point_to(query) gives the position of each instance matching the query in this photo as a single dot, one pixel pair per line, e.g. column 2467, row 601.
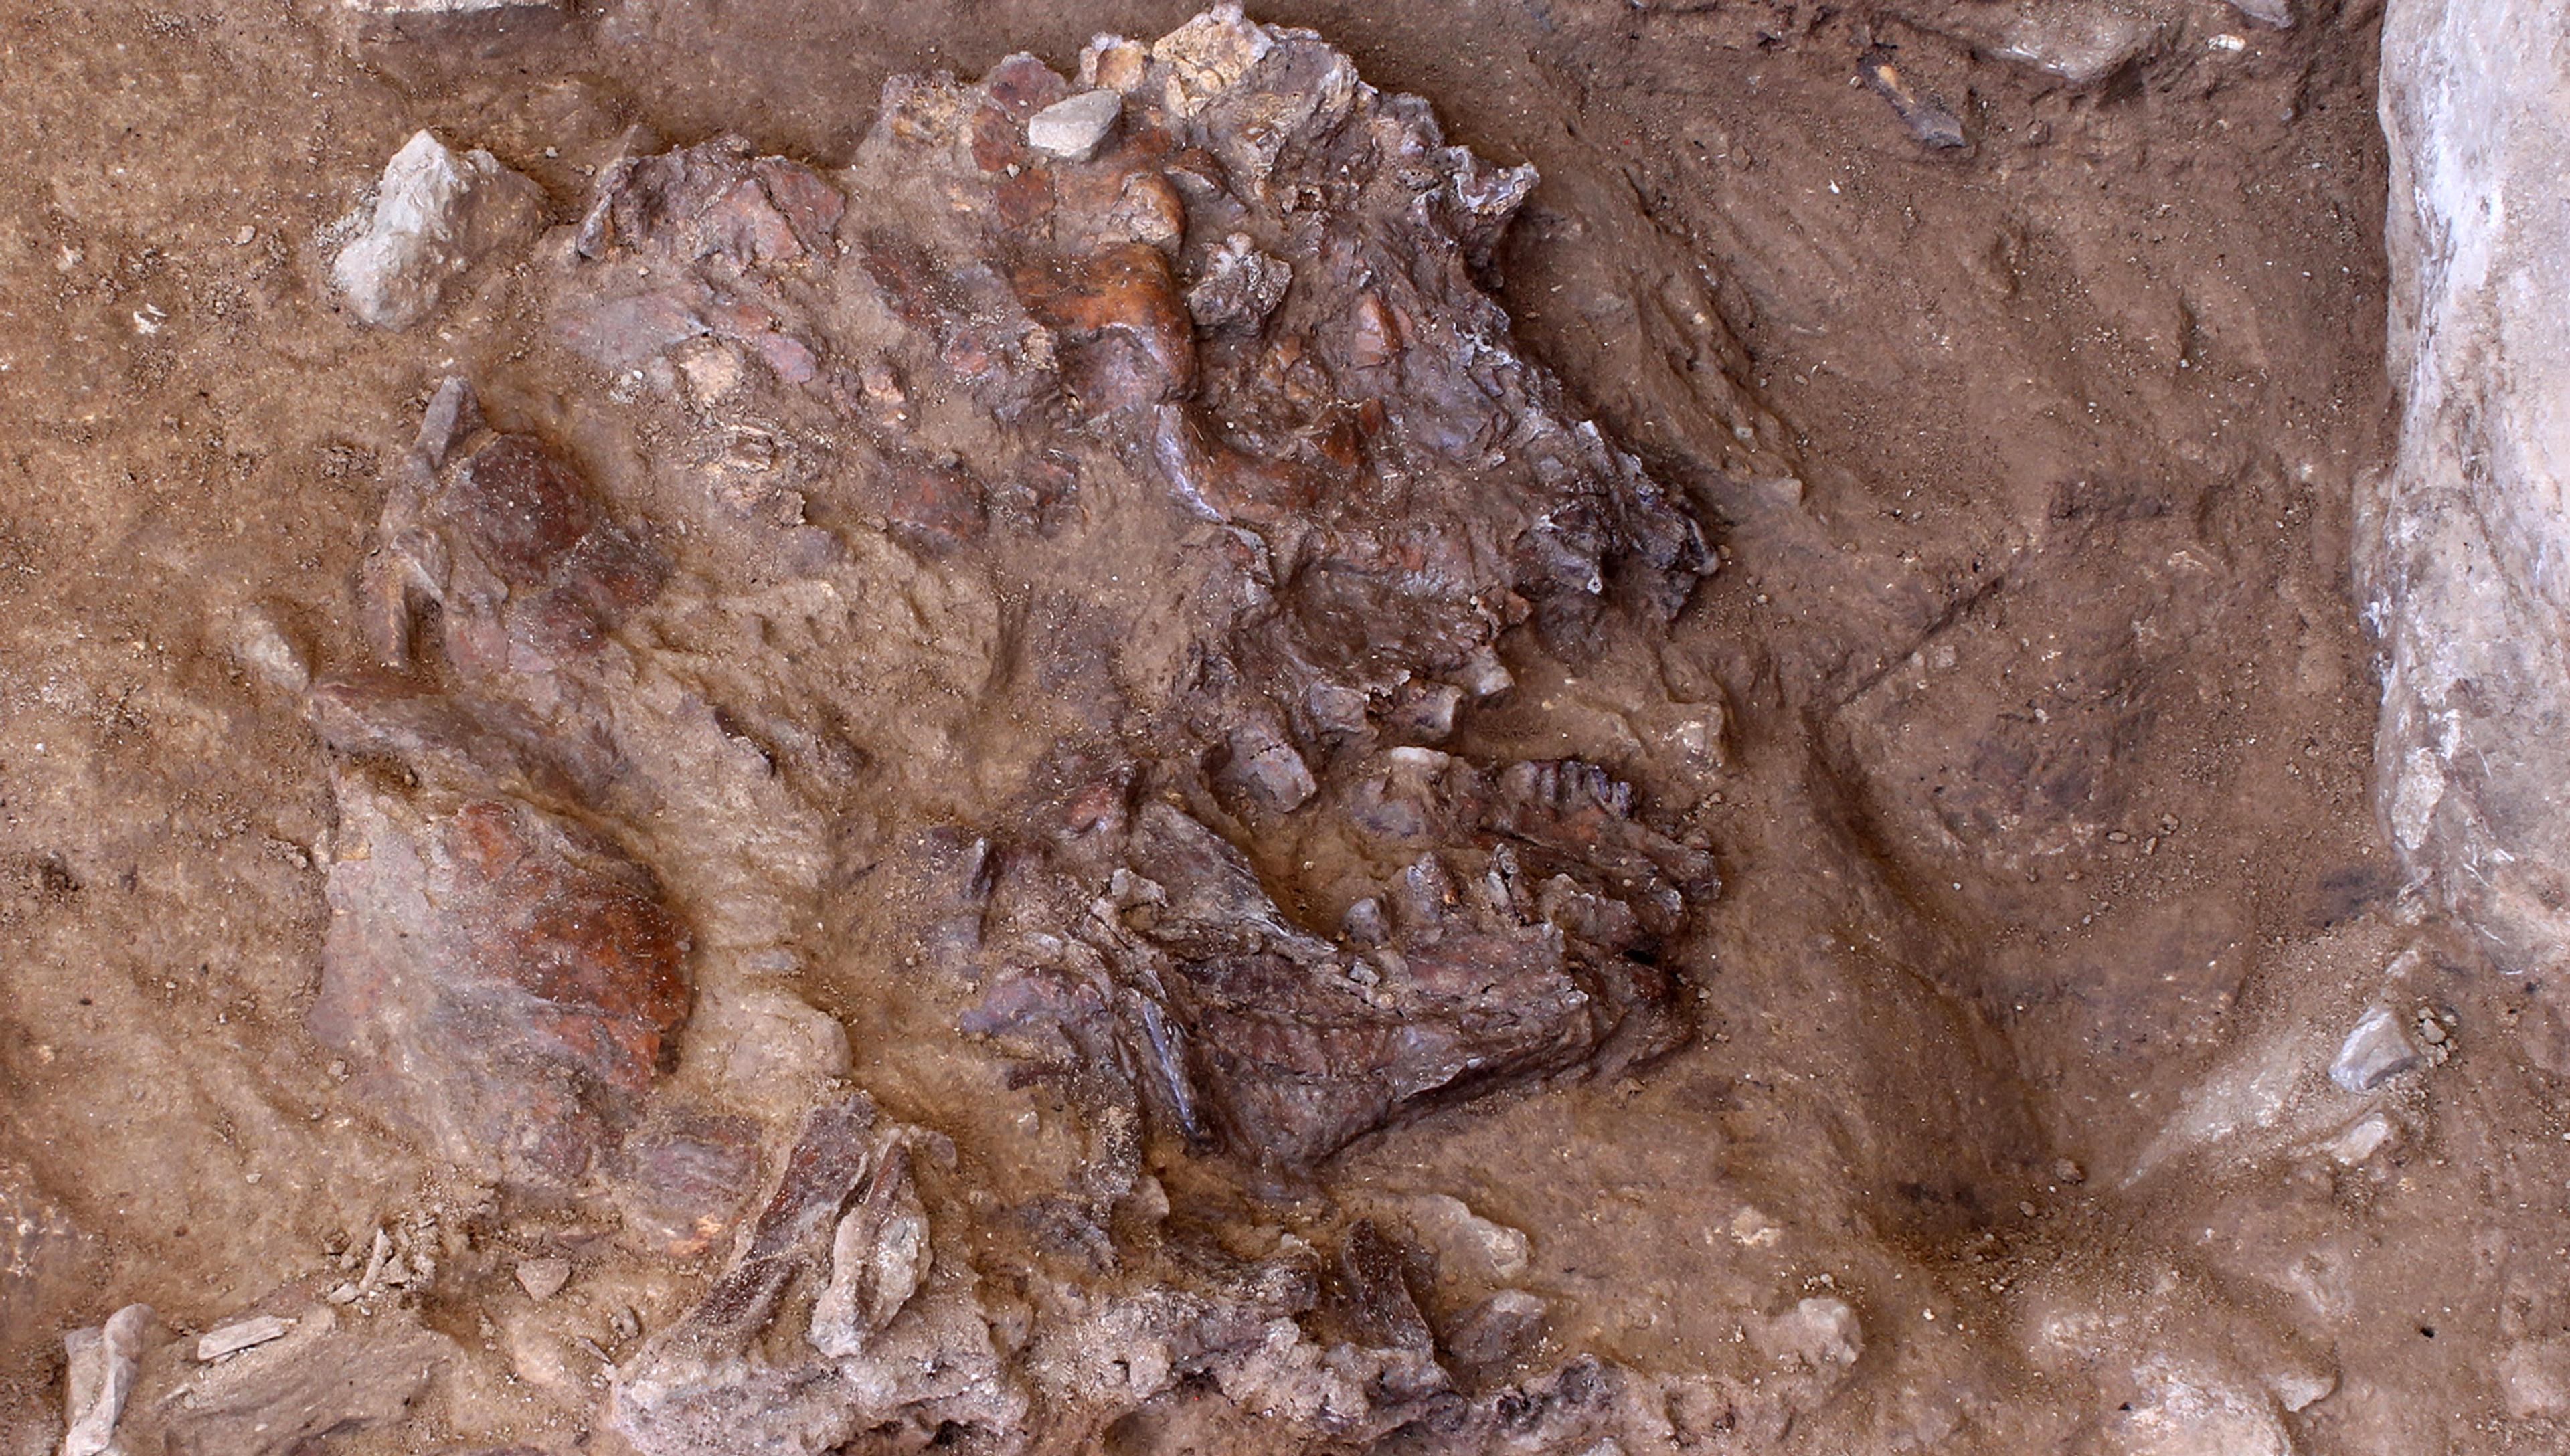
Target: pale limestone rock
column 103, row 1363
column 437, row 214
column 1072, row 129
column 2462, row 540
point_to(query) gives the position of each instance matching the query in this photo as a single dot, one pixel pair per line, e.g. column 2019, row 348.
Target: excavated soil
column 1996, row 757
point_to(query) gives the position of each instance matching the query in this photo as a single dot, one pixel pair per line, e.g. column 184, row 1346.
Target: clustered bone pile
column 1132, row 463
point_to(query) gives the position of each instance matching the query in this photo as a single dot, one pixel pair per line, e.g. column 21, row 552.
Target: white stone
column 1822, row 1332
column 543, row 1279
column 1073, row 128
column 1488, row 1249
column 2462, row 541
column 448, row 9
column 2360, row 1142
column 2376, row 1051
column 2083, row 42
column 436, row 214
column 240, row 1334
column 103, row 1361
column 2196, row 1412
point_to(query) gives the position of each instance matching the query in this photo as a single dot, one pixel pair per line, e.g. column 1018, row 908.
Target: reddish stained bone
column 998, row 140
column 714, row 200
column 941, row 506
column 527, row 569
column 682, row 1181
column 1025, row 199
column 1233, row 1019
column 523, row 508
column 1024, row 85
column 505, row 977
column 594, row 945
column 502, row 975
column 1127, row 289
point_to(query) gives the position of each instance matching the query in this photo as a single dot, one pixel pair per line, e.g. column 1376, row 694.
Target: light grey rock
column 543, row 1279
column 2376, row 1051
column 1822, row 1332
column 2361, row 1141
column 1485, row 1250
column 1073, row 128
column 2276, row 13
column 437, row 214
column 2534, row 1378
column 319, row 1381
column 104, row 1360
column 260, row 644
column 2192, row 1411
column 2299, row 1390
column 2082, row 42
column 427, row 14
column 240, row 1334
column 2461, row 540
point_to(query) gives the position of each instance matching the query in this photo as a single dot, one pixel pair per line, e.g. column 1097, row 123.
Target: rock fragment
column 2185, row 1411
column 2361, row 1141
column 319, row 1380
column 543, row 1279
column 1073, row 128
column 103, row 1363
column 436, row 214
column 1492, row 1336
column 37, row 1247
column 2534, row 1378
column 240, row 1334
column 2374, row 1052
column 2082, row 42
column 2456, row 568
column 1237, row 286
column 1477, row 1246
column 1822, row 1332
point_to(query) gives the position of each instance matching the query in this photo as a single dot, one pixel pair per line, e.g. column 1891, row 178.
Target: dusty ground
column 2040, row 790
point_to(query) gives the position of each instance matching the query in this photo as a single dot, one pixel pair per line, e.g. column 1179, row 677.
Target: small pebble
column 247, row 235
column 543, row 1279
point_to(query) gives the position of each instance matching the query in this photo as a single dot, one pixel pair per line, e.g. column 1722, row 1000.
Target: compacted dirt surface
column 1591, row 726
